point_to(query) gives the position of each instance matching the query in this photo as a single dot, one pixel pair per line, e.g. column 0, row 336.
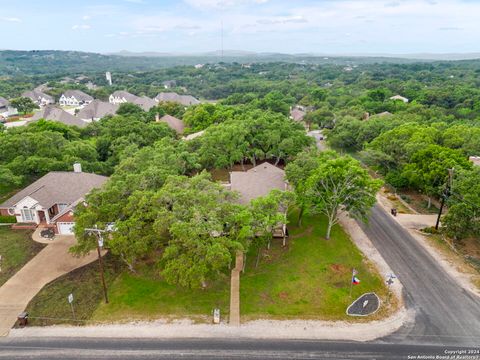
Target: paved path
column 50, row 263
column 445, row 313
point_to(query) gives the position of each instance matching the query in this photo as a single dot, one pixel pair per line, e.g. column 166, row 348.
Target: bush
column 5, row 219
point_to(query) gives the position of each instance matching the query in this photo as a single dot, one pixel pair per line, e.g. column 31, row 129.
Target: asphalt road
column 445, row 313
column 208, row 349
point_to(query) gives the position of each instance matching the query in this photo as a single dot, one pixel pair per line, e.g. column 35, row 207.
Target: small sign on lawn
column 70, row 298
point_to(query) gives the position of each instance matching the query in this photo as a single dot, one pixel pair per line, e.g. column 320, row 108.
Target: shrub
column 5, row 219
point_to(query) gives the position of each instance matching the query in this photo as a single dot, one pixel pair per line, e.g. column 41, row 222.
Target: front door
column 41, row 216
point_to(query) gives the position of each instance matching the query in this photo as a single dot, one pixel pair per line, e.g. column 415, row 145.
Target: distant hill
column 74, row 62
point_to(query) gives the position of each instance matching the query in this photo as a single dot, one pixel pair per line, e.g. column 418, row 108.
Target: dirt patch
column 283, row 295
column 339, row 269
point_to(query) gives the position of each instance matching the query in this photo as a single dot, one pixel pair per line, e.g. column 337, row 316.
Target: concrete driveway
column 50, row 263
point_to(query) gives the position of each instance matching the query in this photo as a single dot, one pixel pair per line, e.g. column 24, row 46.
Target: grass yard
column 85, row 285
column 310, row 278
column 16, row 248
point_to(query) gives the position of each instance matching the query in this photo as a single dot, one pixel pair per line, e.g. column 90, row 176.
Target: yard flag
column 355, row 280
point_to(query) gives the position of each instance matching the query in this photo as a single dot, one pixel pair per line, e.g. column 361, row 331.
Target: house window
column 61, row 207
column 28, row 215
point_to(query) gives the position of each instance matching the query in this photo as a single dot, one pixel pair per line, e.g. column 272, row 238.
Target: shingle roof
column 58, row 187
column 145, row 102
column 97, row 109
column 125, row 95
column 297, row 114
column 173, row 123
column 35, row 95
column 4, row 102
column 186, row 100
column 256, row 182
column 78, row 94
column 53, row 113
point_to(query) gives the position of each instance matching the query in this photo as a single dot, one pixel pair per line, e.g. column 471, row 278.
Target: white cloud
column 10, row 19
column 81, row 27
column 135, row 1
column 86, row 17
column 282, row 20
column 220, row 4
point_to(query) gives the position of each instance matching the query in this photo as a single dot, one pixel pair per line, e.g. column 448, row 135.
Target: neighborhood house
column 5, row 109
column 257, row 182
column 185, row 100
column 96, row 110
column 53, row 113
column 74, row 98
column 39, row 97
column 50, row 201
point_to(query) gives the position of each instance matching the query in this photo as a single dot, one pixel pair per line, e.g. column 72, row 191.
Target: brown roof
column 256, row 182
column 297, row 114
column 58, row 187
column 53, row 113
column 173, row 123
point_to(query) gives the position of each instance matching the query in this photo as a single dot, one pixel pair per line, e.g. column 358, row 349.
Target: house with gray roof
column 185, row 100
column 5, row 109
column 50, row 200
column 120, row 97
column 96, row 110
column 75, row 98
column 39, row 97
column 53, row 113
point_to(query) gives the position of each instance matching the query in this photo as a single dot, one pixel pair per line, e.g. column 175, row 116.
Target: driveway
column 50, row 263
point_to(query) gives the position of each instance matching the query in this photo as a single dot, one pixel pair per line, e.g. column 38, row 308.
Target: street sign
column 216, row 316
column 70, row 298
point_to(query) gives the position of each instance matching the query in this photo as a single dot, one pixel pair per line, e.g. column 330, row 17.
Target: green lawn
column 310, row 278
column 16, row 248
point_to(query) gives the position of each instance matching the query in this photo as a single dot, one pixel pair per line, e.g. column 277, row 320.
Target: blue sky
column 294, row 26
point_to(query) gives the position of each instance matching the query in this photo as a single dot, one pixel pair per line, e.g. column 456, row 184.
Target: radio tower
column 221, row 36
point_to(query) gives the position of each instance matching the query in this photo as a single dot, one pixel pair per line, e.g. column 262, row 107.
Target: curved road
column 445, row 313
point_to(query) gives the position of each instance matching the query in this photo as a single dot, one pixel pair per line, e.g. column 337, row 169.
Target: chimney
column 77, row 167
column 157, row 117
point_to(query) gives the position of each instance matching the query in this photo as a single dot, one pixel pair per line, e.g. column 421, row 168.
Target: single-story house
column 39, row 97
column 51, row 200
column 194, row 135
column 257, row 182
column 96, row 110
column 75, row 98
column 173, row 123
column 5, row 109
column 399, row 97
column 53, row 113
column 185, row 100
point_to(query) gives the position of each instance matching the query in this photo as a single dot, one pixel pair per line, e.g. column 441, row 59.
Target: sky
column 284, row 26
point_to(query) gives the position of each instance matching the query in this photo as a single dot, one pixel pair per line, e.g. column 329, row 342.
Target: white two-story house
column 75, row 98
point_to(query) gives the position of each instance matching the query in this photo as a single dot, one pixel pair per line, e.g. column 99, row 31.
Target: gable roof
column 35, row 95
column 257, row 182
column 97, row 109
column 125, row 95
column 186, row 100
column 297, row 114
column 78, row 94
column 173, row 123
column 54, row 113
column 145, row 102
column 4, row 102
column 58, row 187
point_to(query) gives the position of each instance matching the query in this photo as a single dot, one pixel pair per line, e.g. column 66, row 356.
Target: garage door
column 65, row 228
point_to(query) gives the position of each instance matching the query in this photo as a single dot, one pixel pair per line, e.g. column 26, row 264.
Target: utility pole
column 99, row 234
column 445, row 195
